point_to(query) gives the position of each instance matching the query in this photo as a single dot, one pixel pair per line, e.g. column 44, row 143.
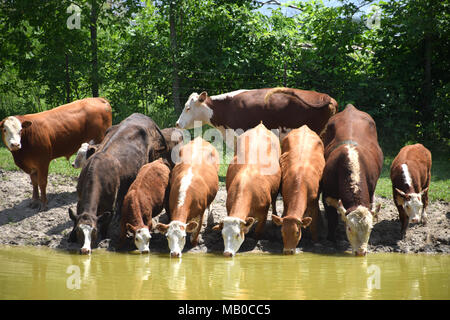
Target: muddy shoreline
column 22, row 225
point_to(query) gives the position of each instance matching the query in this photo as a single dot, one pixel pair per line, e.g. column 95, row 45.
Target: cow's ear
column 424, row 191
column 161, row 227
column 202, row 96
column 341, row 210
column 73, row 216
column 26, row 124
column 91, row 150
column 1, row 124
column 191, row 226
column 248, row 224
column 277, row 220
column 218, row 227
column 130, row 230
column 305, row 222
column 376, row 211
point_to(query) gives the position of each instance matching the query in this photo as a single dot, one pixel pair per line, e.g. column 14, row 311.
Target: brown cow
column 252, row 182
column 277, row 108
column 194, row 183
column 146, row 197
column 35, row 139
column 302, row 164
column 353, row 165
column 410, row 176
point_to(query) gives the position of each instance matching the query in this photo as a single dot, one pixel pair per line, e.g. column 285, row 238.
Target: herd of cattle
column 129, row 170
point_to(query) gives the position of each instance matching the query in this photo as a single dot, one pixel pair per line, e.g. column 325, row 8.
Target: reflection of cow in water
column 353, row 165
column 36, row 139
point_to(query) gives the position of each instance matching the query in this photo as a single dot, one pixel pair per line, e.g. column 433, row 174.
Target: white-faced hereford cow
column 252, row 182
column 410, row 176
column 277, row 108
column 194, row 183
column 302, row 163
column 146, row 198
column 353, row 165
column 108, row 174
column 35, row 139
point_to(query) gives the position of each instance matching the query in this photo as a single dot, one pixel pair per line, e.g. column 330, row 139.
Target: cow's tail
column 292, row 93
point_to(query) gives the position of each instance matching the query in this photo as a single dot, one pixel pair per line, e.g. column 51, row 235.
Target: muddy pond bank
column 22, row 225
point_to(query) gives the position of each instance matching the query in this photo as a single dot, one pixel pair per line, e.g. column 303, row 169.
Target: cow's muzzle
column 85, row 251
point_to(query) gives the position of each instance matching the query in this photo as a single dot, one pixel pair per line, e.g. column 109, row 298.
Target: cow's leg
column 332, row 218
column 274, row 205
column 424, row 209
column 42, row 175
column 313, row 212
column 34, row 182
column 404, row 221
column 260, row 226
column 194, row 235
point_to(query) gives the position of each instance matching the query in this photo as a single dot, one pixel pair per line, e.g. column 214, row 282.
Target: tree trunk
column 174, row 47
column 67, row 79
column 94, row 48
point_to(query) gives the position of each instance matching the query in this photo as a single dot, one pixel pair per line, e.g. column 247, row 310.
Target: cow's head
column 141, row 237
column 85, row 229
column 411, row 203
column 233, row 233
column 11, row 129
column 291, row 230
column 175, row 232
column 195, row 109
column 80, row 159
column 358, row 224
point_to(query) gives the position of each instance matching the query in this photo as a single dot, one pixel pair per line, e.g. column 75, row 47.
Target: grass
column 439, row 187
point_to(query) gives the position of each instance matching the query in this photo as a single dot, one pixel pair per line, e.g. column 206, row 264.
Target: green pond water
column 42, row 273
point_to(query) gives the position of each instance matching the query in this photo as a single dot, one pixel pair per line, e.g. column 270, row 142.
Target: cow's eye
column 188, row 108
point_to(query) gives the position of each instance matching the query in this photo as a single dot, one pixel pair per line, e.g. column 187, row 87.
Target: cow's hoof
column 43, row 207
column 35, row 204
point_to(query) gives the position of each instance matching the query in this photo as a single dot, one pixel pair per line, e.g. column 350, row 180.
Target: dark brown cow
column 302, row 163
column 353, row 165
column 109, row 172
column 146, row 198
column 277, row 108
column 194, row 183
column 35, row 139
column 410, row 176
column 252, row 182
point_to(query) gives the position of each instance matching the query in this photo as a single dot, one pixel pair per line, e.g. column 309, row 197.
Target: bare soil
column 22, row 225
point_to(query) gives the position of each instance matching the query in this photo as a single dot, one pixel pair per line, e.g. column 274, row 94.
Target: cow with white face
column 411, row 176
column 141, row 237
column 176, row 232
column 194, row 183
column 83, row 154
column 252, row 183
column 358, row 224
column 233, row 233
column 11, row 129
column 243, row 109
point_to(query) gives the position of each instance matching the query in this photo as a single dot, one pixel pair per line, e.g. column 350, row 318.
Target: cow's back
column 302, row 158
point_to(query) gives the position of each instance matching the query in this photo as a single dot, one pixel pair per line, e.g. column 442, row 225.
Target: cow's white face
column 11, row 131
column 413, row 207
column 142, row 240
column 80, row 159
column 87, row 232
column 233, row 233
column 176, row 237
column 358, row 225
column 195, row 109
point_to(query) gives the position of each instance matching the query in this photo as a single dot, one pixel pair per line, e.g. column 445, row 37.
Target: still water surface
column 42, row 273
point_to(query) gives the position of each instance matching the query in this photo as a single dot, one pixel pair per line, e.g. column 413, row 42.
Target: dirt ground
column 22, row 225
